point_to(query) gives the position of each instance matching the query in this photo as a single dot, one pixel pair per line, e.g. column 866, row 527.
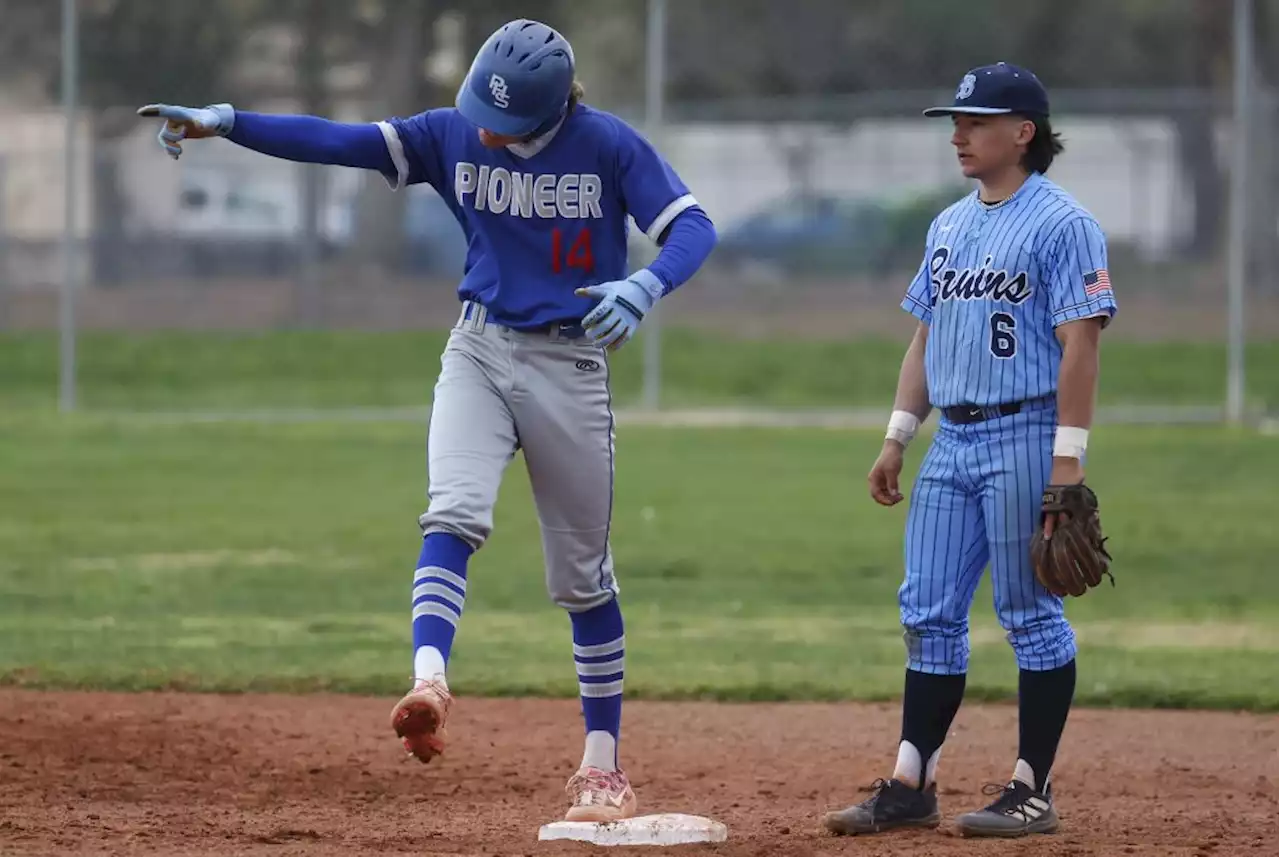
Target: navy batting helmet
column 519, row 82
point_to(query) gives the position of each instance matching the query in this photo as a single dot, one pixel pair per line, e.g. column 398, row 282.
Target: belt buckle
column 965, row 414
column 474, row 314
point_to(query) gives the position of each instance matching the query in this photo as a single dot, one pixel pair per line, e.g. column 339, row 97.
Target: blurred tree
column 757, row 48
column 1265, row 164
column 316, row 31
column 609, row 49
column 29, row 46
column 1210, row 59
column 725, row 48
column 133, row 52
column 376, row 53
column 395, row 86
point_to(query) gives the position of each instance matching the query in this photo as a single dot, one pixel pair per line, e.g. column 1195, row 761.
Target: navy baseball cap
column 994, row 89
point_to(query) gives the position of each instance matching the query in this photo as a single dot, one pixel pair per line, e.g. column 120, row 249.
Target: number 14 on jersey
column 578, row 255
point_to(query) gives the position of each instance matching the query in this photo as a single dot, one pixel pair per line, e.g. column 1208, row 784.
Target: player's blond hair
column 577, row 92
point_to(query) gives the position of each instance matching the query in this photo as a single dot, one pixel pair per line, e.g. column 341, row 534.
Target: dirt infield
column 182, row 774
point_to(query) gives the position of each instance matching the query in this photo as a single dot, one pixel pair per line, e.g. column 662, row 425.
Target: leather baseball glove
column 1074, row 557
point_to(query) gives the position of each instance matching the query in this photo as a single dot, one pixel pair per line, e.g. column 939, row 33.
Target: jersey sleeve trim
column 668, row 214
column 1102, row 307
column 396, row 149
column 919, row 309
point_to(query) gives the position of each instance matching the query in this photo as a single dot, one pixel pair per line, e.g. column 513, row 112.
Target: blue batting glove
column 190, row 123
column 623, row 304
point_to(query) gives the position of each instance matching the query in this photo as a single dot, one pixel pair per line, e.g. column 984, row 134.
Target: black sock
column 929, row 704
column 1044, row 698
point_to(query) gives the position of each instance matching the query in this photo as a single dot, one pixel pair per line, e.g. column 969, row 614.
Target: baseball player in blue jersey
column 1011, row 298
column 542, row 186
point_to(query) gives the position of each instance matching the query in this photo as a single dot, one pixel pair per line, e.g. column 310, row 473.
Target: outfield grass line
column 874, row 418
column 1153, row 696
column 1157, row 635
column 421, row 414
column 184, row 561
column 239, row 557
column 699, row 417
column 512, row 628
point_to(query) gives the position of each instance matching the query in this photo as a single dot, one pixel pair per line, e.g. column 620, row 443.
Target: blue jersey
column 540, row 218
column 995, row 282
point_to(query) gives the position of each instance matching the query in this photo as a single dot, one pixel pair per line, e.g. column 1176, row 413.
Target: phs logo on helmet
column 498, row 89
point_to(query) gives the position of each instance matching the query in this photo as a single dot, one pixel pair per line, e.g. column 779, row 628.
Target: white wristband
column 1070, row 442
column 903, row 426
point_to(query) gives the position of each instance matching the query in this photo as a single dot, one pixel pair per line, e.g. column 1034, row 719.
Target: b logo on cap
column 966, row 87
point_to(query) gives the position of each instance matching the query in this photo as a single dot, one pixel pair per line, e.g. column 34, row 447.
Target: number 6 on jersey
column 1003, row 343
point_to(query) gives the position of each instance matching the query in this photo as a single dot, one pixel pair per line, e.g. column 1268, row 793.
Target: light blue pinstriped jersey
column 995, row 282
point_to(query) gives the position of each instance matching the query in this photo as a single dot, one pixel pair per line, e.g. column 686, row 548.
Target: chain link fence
column 821, row 195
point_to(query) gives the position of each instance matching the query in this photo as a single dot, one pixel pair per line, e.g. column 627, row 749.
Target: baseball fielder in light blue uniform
column 542, row 186
column 1011, row 296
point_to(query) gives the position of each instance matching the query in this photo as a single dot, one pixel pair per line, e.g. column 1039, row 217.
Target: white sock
column 1022, row 772
column 931, row 769
column 911, row 770
column 601, row 751
column 428, row 663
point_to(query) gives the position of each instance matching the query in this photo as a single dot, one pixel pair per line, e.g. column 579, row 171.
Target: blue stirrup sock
column 439, row 592
column 598, row 649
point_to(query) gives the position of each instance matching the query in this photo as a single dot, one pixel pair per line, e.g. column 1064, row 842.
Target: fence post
column 1237, row 248
column 70, row 258
column 655, row 77
column 4, row 239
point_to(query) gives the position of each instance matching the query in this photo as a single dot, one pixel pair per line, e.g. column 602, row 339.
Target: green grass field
column 238, row 556
column 349, row 369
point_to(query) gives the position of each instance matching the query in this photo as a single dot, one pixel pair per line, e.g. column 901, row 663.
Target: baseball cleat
column 600, row 796
column 419, row 719
column 894, row 805
column 1018, row 811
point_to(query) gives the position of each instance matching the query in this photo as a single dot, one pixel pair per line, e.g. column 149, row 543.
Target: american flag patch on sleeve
column 1097, row 282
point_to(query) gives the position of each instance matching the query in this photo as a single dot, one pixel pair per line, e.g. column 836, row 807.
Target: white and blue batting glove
column 623, row 305
column 190, row 123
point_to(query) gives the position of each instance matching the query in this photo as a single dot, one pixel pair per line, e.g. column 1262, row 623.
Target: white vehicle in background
column 222, row 201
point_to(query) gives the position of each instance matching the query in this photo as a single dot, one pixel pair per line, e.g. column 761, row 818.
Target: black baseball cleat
column 1018, row 811
column 894, row 805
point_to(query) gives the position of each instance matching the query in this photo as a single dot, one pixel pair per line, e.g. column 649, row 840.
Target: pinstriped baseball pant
column 976, row 502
